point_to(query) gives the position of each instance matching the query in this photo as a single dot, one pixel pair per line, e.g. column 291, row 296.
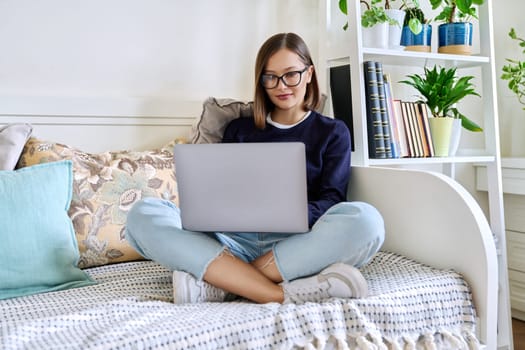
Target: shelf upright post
column 494, row 176
column 355, row 48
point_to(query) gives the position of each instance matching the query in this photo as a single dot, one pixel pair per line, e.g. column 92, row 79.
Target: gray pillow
column 13, row 137
column 216, row 114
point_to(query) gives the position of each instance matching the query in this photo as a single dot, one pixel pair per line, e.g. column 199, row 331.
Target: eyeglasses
column 290, row 79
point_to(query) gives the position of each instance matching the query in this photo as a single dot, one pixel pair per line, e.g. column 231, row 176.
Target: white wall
column 507, row 14
column 139, row 49
column 133, row 58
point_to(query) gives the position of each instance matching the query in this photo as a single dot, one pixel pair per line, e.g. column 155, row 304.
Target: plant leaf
column 415, row 26
column 343, row 7
column 470, row 125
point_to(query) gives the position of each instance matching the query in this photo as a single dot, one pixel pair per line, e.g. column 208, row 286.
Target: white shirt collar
column 285, row 126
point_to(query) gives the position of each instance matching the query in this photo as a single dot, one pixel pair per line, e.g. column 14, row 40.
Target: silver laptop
column 242, row 187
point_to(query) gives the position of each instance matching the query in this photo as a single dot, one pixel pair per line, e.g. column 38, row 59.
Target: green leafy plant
column 344, row 9
column 374, row 13
column 514, row 71
column 414, row 19
column 404, row 4
column 456, row 10
column 441, row 90
column 414, row 16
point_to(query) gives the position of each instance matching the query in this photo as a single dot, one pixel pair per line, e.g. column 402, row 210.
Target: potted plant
column 514, row 71
column 395, row 28
column 374, row 21
column 455, row 34
column 441, row 90
column 417, row 31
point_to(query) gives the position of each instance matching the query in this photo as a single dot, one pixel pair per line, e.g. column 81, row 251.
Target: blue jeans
column 349, row 232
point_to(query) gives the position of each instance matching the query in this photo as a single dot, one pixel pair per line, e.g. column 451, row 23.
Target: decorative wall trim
column 100, row 106
column 103, row 123
column 97, row 120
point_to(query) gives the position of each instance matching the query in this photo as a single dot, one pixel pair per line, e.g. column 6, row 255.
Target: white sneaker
column 338, row 280
column 187, row 289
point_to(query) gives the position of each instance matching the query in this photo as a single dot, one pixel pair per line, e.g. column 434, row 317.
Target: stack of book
column 396, row 129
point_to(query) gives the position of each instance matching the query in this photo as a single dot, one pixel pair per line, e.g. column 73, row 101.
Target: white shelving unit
column 350, row 51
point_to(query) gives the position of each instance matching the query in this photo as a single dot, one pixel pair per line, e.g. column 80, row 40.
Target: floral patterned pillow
column 105, row 187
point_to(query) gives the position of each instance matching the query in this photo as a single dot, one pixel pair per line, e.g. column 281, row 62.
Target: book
column 407, row 124
column 413, row 130
column 425, row 149
column 426, row 125
column 383, row 110
column 400, row 127
column 395, row 132
column 376, row 142
column 341, row 93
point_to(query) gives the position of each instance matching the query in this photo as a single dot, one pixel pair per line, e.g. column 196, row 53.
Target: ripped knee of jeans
column 269, row 262
column 225, row 252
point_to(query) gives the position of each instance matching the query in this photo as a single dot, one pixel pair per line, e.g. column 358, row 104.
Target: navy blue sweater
column 327, row 144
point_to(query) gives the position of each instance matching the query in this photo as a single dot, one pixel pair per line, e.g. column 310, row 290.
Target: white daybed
column 434, row 285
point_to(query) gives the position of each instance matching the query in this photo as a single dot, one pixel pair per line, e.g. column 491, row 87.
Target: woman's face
column 286, row 64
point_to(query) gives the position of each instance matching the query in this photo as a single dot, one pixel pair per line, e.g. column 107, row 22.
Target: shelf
column 413, row 58
column 347, row 49
column 431, row 160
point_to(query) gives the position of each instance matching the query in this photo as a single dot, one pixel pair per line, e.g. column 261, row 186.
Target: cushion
column 105, row 187
column 218, row 112
column 215, row 116
column 39, row 252
column 12, row 140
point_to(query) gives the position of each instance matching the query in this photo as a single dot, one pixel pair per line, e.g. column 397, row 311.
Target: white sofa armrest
column 432, row 219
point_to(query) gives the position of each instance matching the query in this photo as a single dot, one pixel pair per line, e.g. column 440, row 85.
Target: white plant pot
column 455, row 137
column 376, row 36
column 395, row 30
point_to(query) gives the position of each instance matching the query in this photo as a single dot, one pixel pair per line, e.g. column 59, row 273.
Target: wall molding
column 50, row 120
column 110, row 107
column 96, row 124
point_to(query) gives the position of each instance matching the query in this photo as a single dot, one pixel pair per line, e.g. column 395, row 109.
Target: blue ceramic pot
column 458, row 34
column 424, row 38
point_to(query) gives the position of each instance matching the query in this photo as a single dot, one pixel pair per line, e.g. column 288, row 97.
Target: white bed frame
column 432, row 219
column 428, row 216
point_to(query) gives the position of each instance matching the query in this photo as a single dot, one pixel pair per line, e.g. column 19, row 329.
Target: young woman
column 268, row 267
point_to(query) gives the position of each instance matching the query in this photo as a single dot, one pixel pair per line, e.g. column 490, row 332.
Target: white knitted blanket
column 411, row 306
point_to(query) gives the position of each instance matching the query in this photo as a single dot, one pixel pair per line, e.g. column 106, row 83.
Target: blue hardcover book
column 376, row 142
column 383, row 109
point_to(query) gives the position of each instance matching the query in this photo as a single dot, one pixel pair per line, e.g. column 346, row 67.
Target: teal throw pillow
column 38, row 249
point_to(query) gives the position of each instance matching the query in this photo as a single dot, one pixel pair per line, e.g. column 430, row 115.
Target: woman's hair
column 293, row 42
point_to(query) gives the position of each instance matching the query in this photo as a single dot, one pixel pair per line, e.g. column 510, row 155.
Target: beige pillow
column 105, row 186
column 12, row 140
column 218, row 112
